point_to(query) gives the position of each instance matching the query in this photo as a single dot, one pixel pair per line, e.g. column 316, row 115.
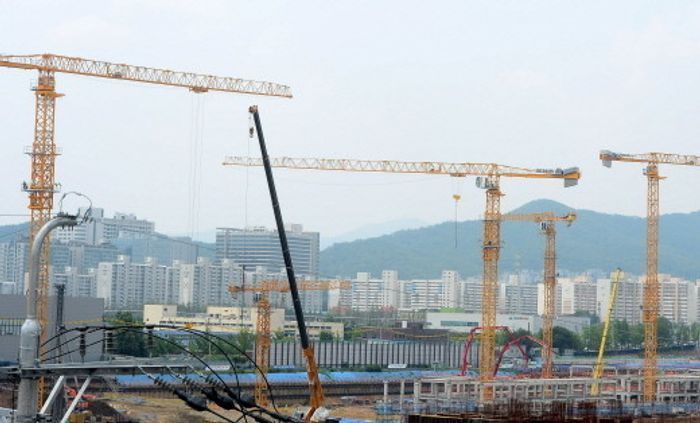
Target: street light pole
column 27, row 396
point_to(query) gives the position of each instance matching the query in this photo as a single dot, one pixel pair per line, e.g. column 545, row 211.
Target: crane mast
column 263, row 336
column 650, row 303
column 488, row 178
column 42, row 186
column 491, row 250
column 547, row 221
column 550, row 295
column 262, row 350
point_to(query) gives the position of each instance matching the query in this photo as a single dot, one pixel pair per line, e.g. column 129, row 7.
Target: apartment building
column 369, row 293
column 260, row 247
column 678, row 299
column 77, row 283
column 123, row 284
column 515, row 297
column 426, row 294
column 205, row 283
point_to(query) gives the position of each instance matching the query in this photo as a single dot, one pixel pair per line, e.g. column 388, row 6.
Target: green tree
column 590, row 337
column 325, row 336
column 162, row 347
column 354, row 333
column 664, row 332
column 565, row 339
column 637, row 336
column 245, row 340
column 129, row 342
column 622, row 333
column 695, row 332
column 682, row 333
column 280, row 335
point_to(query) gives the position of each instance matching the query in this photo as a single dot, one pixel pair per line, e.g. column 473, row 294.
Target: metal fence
column 364, row 353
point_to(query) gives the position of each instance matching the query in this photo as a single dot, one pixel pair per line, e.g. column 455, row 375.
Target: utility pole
column 29, row 336
column 59, row 404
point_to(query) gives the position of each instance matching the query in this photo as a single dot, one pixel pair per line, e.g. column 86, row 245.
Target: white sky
column 533, row 84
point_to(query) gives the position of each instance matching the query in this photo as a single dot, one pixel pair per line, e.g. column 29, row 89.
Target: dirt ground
column 159, row 410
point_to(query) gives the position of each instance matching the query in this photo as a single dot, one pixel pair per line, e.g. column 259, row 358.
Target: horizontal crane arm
column 539, row 217
column 665, row 158
column 281, row 286
column 570, row 175
column 192, row 81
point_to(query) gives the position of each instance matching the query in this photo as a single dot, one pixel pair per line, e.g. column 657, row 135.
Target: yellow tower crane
column 263, row 333
column 42, row 186
column 547, row 221
column 598, row 367
column 488, row 178
column 650, row 310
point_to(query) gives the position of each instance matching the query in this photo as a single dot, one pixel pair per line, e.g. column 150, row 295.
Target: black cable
column 133, row 329
column 276, row 414
column 240, row 351
column 89, row 329
column 226, row 387
column 68, row 341
column 72, row 351
column 200, row 405
column 237, row 398
column 201, row 334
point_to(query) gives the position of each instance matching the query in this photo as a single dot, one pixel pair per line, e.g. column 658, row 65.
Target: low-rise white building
column 465, row 322
column 234, row 320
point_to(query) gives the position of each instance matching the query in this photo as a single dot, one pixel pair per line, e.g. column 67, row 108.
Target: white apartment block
column 123, row 284
column 13, row 264
column 576, row 294
column 678, row 299
column 425, row 294
column 206, row 283
column 628, row 303
column 77, row 284
column 388, row 292
column 517, row 298
column 369, row 293
column 471, row 294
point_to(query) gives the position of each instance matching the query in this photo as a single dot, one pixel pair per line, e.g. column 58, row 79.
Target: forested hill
column 596, row 241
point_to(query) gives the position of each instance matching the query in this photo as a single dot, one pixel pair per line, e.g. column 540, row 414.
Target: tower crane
column 488, row 178
column 43, row 152
column 650, row 307
column 547, row 221
column 262, row 336
column 598, row 367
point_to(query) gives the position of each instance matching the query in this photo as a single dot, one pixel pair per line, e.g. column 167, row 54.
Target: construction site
column 291, row 373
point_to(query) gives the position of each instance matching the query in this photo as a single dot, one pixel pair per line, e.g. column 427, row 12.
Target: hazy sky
column 533, row 84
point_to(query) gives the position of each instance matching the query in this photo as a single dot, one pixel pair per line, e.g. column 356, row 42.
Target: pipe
column 27, row 396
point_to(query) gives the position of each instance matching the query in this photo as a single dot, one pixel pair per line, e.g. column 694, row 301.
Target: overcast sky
column 533, row 84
